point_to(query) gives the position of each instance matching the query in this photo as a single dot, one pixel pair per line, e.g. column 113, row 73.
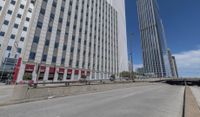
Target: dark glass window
column 16, row 25
column 13, row 2
column 22, row 39
column 9, row 48
column 25, row 29
column 9, row 12
column 6, row 22
column 32, row 56
column 47, row 43
column 27, row 19
column 12, row 36
column 22, row 6
column 39, row 24
column 56, row 45
column 19, row 15
column 36, row 39
column 44, row 58
column 19, row 50
column 2, row 34
column 54, row 59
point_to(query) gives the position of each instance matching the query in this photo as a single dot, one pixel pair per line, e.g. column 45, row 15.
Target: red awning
column 62, row 70
column 76, row 72
column 82, row 73
column 88, row 73
column 69, row 71
column 52, row 70
column 29, row 68
column 42, row 68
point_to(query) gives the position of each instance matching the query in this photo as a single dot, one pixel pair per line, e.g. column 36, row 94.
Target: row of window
column 49, row 32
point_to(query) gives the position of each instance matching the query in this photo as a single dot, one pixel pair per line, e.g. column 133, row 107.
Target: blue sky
column 181, row 19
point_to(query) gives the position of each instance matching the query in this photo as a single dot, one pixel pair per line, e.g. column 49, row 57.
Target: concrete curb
column 191, row 106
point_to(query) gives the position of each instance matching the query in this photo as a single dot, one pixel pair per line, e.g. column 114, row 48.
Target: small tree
column 125, row 74
column 128, row 75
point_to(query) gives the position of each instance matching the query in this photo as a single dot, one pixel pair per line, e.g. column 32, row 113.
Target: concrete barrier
column 23, row 93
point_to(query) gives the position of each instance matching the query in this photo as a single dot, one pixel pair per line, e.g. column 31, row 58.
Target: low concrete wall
column 24, row 93
column 191, row 105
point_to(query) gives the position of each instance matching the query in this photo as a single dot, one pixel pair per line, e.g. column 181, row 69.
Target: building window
column 44, row 58
column 25, row 29
column 47, row 43
column 6, row 22
column 27, row 19
column 30, row 10
column 42, row 11
column 39, row 24
column 63, row 61
column 54, row 59
column 22, row 6
column 16, row 25
column 36, row 39
column 13, row 2
column 56, row 45
column 9, row 12
column 64, row 47
column 12, row 36
column 32, row 56
column 22, row 39
column 19, row 50
column 9, row 48
column 2, row 34
column 19, row 15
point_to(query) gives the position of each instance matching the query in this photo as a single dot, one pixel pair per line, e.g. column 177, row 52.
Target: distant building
column 176, row 75
column 71, row 38
column 173, row 66
column 153, row 41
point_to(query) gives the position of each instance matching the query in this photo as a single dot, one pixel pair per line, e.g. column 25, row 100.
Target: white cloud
column 188, row 63
column 136, row 66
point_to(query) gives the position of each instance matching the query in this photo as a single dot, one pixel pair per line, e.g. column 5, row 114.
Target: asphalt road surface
column 158, row 100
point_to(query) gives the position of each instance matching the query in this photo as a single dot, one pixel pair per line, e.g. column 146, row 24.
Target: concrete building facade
column 153, row 41
column 15, row 18
column 70, row 39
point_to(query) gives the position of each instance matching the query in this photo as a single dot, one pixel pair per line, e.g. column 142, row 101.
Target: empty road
column 158, row 100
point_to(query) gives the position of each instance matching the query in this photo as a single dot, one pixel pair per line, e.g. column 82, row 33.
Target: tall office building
column 155, row 58
column 15, row 18
column 173, row 66
column 69, row 39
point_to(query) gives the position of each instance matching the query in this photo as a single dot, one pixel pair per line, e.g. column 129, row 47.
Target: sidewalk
column 5, row 92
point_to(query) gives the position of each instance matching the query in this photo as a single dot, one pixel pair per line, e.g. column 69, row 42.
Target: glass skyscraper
column 155, row 58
